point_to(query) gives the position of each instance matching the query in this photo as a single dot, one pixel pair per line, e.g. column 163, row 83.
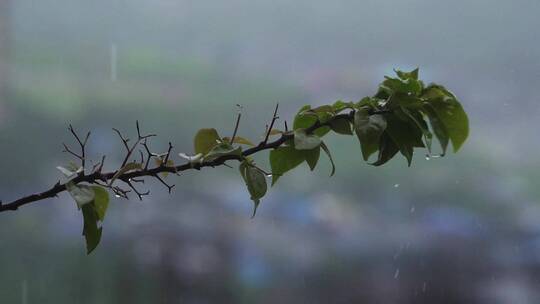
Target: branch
column 97, row 176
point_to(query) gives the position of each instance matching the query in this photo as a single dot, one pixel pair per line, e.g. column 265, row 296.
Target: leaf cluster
column 402, row 115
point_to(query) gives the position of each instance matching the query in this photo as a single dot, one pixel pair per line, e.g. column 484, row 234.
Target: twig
column 274, row 118
column 164, row 162
column 236, row 126
column 169, row 187
column 137, row 192
column 82, row 144
column 126, row 140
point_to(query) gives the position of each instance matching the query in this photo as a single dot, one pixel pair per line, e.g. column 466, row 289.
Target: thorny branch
column 96, row 176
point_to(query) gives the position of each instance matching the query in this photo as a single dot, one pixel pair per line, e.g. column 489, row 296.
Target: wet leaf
column 368, row 129
column 420, row 123
column 449, row 113
column 339, row 106
column 101, row 201
column 341, row 126
column 367, row 102
column 407, row 75
column 438, row 127
column 205, row 140
column 405, row 134
column 70, row 173
column 255, row 182
column 91, row 232
column 312, row 157
column 192, row 158
column 387, row 150
column 324, row 113
column 407, row 83
column 82, row 194
column 305, row 119
column 283, row 159
column 327, row 151
column 303, row 141
column 239, row 140
column 222, row 149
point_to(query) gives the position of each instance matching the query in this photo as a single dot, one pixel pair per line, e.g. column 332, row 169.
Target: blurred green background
column 459, row 229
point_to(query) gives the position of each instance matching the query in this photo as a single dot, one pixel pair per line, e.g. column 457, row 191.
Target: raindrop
column 424, row 287
column 24, row 292
column 398, row 253
column 413, row 209
column 430, row 156
column 396, row 274
column 239, row 107
column 117, row 195
column 113, row 62
column 396, row 186
column 268, row 175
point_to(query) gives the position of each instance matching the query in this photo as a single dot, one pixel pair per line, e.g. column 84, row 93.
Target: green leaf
column 192, row 159
column 368, row 129
column 205, row 140
column 255, row 182
column 101, row 201
column 307, row 118
column 312, row 157
column 71, row 172
column 324, row 113
column 400, row 100
column 405, row 134
column 284, row 159
column 387, row 150
column 303, row 141
column 91, row 232
column 82, row 194
column 222, row 149
column 339, row 106
column 407, row 75
column 126, row 168
column 407, row 86
column 323, row 109
column 438, row 127
column 239, row 140
column 327, row 151
column 418, row 119
column 341, row 126
column 367, row 102
column 449, row 113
